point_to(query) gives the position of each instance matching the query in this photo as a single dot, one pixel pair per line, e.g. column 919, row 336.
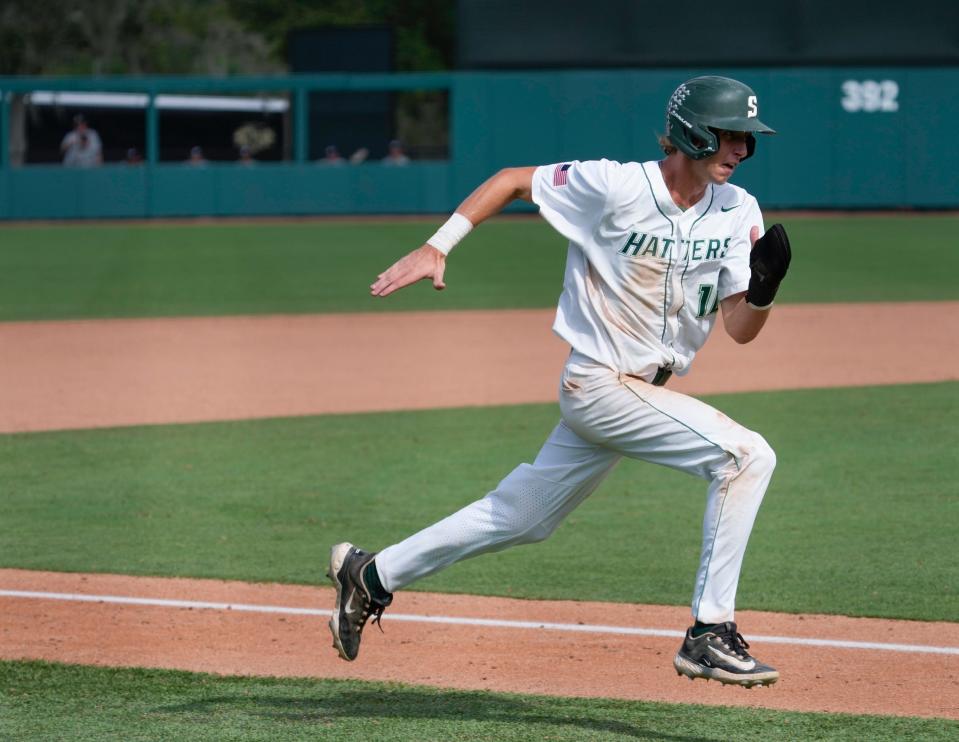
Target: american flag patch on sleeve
column 559, row 174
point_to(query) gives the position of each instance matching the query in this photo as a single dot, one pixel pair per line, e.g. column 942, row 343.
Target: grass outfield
column 122, row 270
column 853, row 523
column 46, row 701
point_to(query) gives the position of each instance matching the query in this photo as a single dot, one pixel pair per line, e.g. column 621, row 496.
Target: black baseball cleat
column 354, row 602
column 720, row 654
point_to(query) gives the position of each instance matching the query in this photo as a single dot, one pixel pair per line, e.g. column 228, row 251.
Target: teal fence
column 848, row 138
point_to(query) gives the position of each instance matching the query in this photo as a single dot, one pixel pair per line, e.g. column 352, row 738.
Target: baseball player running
column 656, row 250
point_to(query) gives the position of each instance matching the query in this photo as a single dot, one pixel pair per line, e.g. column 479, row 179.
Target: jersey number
column 708, row 299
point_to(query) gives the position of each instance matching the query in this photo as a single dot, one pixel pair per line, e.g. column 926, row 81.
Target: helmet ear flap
column 705, row 142
column 750, row 145
column 692, row 140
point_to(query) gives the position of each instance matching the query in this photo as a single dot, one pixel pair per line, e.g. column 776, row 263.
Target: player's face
column 719, row 167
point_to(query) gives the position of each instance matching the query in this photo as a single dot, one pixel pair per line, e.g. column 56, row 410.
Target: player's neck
column 685, row 185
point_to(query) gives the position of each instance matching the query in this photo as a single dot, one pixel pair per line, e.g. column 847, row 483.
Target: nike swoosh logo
column 349, row 605
column 737, row 663
column 730, row 208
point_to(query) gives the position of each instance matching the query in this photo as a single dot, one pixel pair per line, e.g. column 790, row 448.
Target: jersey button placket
column 669, row 291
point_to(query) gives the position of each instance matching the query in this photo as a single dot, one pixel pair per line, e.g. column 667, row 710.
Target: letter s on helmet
column 703, row 105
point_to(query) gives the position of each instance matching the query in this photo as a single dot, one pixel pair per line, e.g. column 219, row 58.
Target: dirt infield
column 594, row 663
column 63, row 375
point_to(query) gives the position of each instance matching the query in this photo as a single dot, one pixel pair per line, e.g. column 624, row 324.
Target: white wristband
column 447, row 236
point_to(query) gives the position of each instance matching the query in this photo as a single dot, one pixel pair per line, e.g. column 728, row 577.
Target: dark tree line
column 94, row 37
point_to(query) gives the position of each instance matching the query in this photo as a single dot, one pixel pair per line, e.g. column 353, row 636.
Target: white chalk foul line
column 454, row 620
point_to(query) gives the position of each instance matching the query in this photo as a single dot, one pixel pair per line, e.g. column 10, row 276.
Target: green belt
column 662, row 376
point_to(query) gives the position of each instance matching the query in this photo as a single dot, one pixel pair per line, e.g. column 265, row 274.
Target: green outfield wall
column 849, row 138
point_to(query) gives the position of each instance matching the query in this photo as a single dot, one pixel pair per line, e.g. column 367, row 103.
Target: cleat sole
column 693, row 670
column 338, row 555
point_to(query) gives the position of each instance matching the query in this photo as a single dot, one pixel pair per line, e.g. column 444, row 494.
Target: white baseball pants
column 607, row 415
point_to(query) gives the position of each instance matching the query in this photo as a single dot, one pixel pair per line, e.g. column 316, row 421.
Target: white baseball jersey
column 642, row 287
column 643, row 277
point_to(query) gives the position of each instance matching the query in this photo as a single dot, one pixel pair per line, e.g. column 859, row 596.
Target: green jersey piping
column 682, row 279
column 669, row 265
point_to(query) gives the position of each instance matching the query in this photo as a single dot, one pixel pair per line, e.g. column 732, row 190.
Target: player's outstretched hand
column 424, row 262
column 768, row 263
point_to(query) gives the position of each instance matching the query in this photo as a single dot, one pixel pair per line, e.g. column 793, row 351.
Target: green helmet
column 700, row 107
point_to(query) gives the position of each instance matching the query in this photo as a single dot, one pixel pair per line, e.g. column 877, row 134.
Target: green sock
column 372, row 579
column 701, row 628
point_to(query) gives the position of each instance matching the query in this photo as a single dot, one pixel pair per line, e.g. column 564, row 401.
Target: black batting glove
column 768, row 262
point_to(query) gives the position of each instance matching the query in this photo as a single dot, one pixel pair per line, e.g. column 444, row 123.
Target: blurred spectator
column 196, row 158
column 331, row 157
column 133, row 157
column 395, row 156
column 359, row 156
column 246, row 157
column 81, row 146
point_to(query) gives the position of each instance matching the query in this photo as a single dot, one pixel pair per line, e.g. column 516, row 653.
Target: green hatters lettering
column 633, row 242
column 651, row 246
column 641, row 244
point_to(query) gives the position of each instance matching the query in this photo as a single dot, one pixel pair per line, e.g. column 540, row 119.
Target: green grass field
column 43, row 701
column 851, row 525
column 177, row 270
column 857, row 520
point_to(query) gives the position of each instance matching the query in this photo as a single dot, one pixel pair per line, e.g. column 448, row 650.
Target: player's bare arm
column 742, row 322
column 427, row 261
column 496, row 193
column 744, row 314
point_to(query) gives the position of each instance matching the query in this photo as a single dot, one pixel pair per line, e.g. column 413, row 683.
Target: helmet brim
column 753, row 125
